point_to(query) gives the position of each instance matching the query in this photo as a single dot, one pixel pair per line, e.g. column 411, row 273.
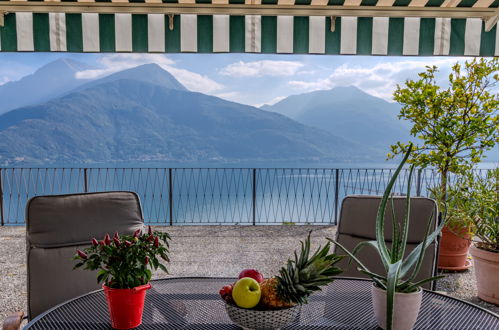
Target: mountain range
column 145, row 114
column 347, row 112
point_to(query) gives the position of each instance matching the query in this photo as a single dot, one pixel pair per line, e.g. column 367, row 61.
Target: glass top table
column 194, row 303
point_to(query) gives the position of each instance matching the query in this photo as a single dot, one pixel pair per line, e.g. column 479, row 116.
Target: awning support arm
column 170, row 21
column 491, row 21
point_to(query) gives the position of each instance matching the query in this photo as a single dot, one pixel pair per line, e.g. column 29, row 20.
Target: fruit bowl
column 262, row 319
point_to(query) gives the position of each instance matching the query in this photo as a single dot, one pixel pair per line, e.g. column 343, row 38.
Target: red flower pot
column 453, row 254
column 126, row 306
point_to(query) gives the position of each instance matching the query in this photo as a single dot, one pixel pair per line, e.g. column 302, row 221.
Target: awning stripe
column 91, row 32
column 411, row 36
column 188, row 35
column 473, row 31
column 156, row 33
column 380, row 35
column 221, row 33
column 24, row 27
column 349, row 36
column 317, row 35
column 57, row 32
column 285, row 34
column 123, row 31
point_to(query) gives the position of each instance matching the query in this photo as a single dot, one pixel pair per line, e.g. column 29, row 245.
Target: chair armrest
column 13, row 322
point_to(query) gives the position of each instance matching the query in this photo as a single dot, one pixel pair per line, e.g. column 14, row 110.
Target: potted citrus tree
column 396, row 297
column 485, row 250
column 125, row 266
column 458, row 230
column 451, row 126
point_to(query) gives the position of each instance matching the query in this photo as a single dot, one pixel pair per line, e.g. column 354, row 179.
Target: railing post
column 336, row 194
column 254, row 197
column 418, row 183
column 85, row 180
column 170, row 195
column 1, row 198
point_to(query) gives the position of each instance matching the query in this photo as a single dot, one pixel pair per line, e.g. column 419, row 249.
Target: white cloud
column 379, row 80
column 271, row 102
column 4, row 80
column 229, row 96
column 261, row 68
column 118, row 62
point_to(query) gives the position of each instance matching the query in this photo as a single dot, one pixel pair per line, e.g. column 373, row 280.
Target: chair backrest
column 59, row 224
column 358, row 222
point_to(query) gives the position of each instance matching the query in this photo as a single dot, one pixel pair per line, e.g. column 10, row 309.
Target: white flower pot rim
column 404, row 293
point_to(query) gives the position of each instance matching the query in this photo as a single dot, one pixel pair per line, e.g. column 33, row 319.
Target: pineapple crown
column 307, row 273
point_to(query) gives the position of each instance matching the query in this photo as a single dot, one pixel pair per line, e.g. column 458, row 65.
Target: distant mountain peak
column 150, row 73
column 51, row 80
column 63, row 64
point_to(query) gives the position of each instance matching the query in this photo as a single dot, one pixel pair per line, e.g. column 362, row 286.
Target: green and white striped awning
column 381, row 27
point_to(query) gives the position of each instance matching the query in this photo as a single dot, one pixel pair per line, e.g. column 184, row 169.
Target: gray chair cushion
column 59, row 224
column 358, row 222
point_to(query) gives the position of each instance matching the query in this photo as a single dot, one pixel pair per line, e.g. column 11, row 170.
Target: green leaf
column 405, row 227
column 391, row 284
column 412, row 258
column 380, row 218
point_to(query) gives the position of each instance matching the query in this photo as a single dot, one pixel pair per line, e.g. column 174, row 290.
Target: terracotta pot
column 126, row 306
column 453, row 253
column 486, row 274
column 405, row 308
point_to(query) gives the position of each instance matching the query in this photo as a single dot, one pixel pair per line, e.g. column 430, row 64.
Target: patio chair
column 55, row 227
column 357, row 223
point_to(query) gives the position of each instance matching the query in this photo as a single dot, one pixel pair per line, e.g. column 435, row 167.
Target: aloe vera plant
column 400, row 271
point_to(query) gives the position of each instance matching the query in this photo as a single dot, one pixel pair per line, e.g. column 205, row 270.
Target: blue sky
column 253, row 79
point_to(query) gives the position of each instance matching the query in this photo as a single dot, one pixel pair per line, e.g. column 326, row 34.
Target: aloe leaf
column 372, row 275
column 359, row 263
column 418, row 284
column 380, row 217
column 395, row 234
column 391, row 284
column 419, row 261
column 405, row 226
column 412, row 257
column 359, row 246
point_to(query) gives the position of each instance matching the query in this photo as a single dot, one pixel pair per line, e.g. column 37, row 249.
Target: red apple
column 253, row 273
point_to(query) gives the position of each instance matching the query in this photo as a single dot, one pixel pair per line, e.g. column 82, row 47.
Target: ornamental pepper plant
column 125, row 262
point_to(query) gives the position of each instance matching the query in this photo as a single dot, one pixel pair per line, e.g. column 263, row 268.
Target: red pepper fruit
column 150, row 238
column 146, row 260
column 128, row 243
column 116, row 235
column 116, row 241
column 136, row 233
column 82, row 254
column 107, row 239
column 94, row 242
column 156, row 241
column 149, row 230
column 101, row 243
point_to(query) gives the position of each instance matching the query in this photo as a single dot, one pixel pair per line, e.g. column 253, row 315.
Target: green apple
column 246, row 293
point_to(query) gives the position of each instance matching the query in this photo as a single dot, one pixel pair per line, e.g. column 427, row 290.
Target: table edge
column 38, row 317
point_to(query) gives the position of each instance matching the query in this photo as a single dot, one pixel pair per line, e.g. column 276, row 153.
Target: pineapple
column 300, row 278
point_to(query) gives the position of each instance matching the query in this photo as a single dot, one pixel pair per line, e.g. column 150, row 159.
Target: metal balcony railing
column 187, row 196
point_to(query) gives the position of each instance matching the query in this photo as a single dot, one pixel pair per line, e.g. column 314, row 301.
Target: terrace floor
column 207, row 251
